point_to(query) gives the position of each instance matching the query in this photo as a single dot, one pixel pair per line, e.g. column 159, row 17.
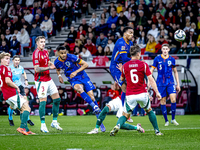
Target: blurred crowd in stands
column 154, row 23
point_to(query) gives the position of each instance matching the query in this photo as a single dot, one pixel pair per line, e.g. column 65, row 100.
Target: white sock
column 54, row 121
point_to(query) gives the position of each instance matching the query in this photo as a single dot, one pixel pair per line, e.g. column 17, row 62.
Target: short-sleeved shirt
column 165, row 68
column 134, row 71
column 69, row 65
column 41, row 58
column 6, row 90
column 16, row 74
column 100, row 60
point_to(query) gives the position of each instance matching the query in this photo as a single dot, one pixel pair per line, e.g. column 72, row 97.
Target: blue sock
column 173, row 109
column 28, row 117
column 96, row 103
column 123, row 96
column 10, row 112
column 135, row 110
column 142, row 111
column 88, row 99
column 164, row 112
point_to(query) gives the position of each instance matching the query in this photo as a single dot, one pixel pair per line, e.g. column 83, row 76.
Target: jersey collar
column 164, row 57
column 125, row 41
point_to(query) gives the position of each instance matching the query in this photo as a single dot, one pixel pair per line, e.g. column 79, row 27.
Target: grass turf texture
column 184, row 136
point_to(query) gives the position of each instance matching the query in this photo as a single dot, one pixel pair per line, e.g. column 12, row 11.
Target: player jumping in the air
column 44, row 84
column 120, row 56
column 11, row 93
column 114, row 105
column 17, row 72
column 134, row 72
column 74, row 70
column 165, row 64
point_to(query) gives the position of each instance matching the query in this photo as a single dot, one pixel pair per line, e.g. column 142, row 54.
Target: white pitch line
column 100, row 132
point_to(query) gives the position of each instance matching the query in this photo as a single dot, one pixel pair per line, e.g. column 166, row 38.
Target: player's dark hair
column 60, row 48
column 134, row 50
column 16, row 56
column 126, row 29
column 167, row 45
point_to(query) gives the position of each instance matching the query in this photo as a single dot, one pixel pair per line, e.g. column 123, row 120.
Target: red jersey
column 100, row 60
column 6, row 90
column 41, row 58
column 134, row 71
column 112, row 93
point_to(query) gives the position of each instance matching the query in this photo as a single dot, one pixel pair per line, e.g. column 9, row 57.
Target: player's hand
column 52, row 66
column 26, row 83
column 18, row 90
column 119, row 66
column 158, row 96
column 73, row 74
column 61, row 80
column 178, row 88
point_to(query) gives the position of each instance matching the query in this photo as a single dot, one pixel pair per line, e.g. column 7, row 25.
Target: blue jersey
column 120, row 53
column 70, row 65
column 17, row 73
column 164, row 67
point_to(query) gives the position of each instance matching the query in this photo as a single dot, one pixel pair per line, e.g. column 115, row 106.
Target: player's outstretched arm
column 11, row 84
column 152, row 69
column 177, row 79
column 154, row 86
column 25, row 77
column 59, row 76
column 83, row 64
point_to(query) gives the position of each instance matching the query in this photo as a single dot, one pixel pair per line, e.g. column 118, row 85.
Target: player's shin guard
column 24, row 119
column 102, row 116
column 173, row 109
column 55, row 109
column 42, row 111
column 128, row 127
column 123, row 96
column 164, row 112
column 88, row 99
column 121, row 121
column 10, row 112
column 153, row 120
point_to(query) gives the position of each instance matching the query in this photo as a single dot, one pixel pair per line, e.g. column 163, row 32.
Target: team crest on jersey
column 67, row 64
column 43, row 94
column 36, row 61
column 123, row 48
column 9, row 73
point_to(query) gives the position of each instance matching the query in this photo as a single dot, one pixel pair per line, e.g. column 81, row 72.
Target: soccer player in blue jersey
column 73, row 68
column 165, row 64
column 120, row 55
column 17, row 71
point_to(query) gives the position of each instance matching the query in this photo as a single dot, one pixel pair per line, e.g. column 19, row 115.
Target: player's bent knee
column 173, row 100
column 148, row 110
column 163, row 101
column 126, row 115
column 25, row 107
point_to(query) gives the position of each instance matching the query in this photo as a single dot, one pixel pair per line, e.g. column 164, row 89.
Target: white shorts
column 45, row 88
column 16, row 101
column 132, row 100
column 116, row 105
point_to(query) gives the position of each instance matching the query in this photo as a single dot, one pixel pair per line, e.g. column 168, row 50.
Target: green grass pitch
column 184, row 136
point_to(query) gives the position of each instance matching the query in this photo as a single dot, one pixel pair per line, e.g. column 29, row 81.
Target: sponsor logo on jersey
column 36, row 61
column 67, row 64
column 123, row 48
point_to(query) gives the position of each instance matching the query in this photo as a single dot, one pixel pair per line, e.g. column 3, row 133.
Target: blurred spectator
column 68, row 16
column 173, row 44
column 95, row 19
column 76, row 9
column 85, row 53
column 8, row 35
column 187, row 27
column 35, row 31
column 161, row 41
column 102, row 41
column 41, row 15
column 119, row 7
column 27, row 27
column 123, row 18
column 82, row 39
column 180, row 19
column 77, row 51
column 46, row 10
column 50, row 51
column 128, row 13
column 142, row 41
column 24, row 40
column 198, row 41
column 193, row 49
column 66, row 45
column 102, row 28
column 2, row 12
column 10, row 27
column 90, row 30
column 97, row 92
column 102, row 17
column 91, row 36
column 31, row 99
column 11, row 11
column 141, row 19
column 14, row 46
column 150, row 48
column 80, row 31
column 106, row 13
column 29, row 3
column 84, row 24
column 161, row 9
column 16, row 24
column 4, row 47
column 153, row 31
column 100, row 51
column 17, row 34
column 72, row 35
column 193, row 26
column 183, row 49
column 112, row 19
column 171, row 19
column 111, row 45
column 3, row 38
column 56, row 20
column 140, row 29
column 107, row 51
column 158, row 16
column 132, row 5
column 112, row 31
column 191, row 37
column 133, row 17
column 37, row 20
column 91, row 46
column 111, row 6
column 28, row 16
column 46, row 26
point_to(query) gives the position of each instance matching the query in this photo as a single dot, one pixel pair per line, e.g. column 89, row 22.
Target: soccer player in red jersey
column 44, row 84
column 134, row 72
column 11, row 93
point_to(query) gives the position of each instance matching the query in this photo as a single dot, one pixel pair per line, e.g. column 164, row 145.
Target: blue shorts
column 116, row 75
column 170, row 89
column 87, row 84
